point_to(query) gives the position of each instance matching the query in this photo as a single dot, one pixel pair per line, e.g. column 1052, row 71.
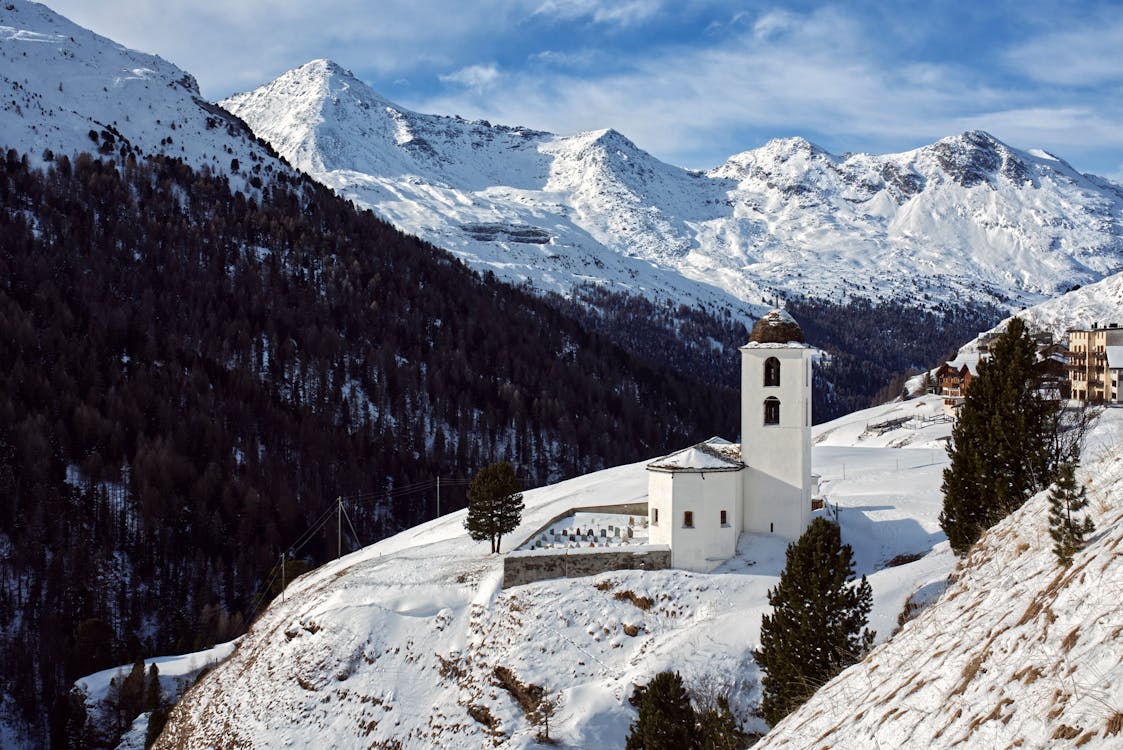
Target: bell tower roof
column 776, row 327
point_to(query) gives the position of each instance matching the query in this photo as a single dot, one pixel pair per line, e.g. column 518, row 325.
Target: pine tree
column 718, row 728
column 666, row 719
column 817, row 625
column 495, row 504
column 1002, row 444
column 1065, row 499
column 153, row 696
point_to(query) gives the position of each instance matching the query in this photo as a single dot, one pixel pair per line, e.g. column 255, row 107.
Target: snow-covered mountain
column 398, row 642
column 66, row 89
column 965, row 218
column 1018, row 652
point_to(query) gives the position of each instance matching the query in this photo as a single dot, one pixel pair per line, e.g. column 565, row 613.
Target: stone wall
column 527, row 567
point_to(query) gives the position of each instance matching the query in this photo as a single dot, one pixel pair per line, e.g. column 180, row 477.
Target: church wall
column 703, row 494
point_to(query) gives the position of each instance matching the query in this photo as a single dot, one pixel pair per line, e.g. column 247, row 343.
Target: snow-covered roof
column 776, row 327
column 1114, row 356
column 714, row 454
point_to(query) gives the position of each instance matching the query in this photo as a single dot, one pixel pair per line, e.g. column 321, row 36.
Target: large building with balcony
column 1095, row 363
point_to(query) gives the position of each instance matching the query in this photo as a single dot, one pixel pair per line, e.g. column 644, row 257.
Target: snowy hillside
column 966, row 218
column 1017, row 653
column 400, row 640
column 1100, row 303
column 62, row 82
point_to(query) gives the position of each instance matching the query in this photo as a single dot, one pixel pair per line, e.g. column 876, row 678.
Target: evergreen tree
column 666, row 719
column 718, row 728
column 495, row 504
column 153, row 696
column 1065, row 499
column 817, row 625
column 1001, row 448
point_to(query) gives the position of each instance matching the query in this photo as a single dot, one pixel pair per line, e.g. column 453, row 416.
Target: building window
column 771, row 410
column 654, row 516
column 771, row 372
column 688, row 519
column 724, row 519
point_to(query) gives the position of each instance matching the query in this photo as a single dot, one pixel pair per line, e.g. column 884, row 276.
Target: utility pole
column 339, row 528
column 282, row 577
column 438, row 496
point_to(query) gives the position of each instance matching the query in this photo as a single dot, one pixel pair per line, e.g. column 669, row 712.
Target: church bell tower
column 776, row 427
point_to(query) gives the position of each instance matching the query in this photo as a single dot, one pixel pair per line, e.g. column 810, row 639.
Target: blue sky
column 692, row 83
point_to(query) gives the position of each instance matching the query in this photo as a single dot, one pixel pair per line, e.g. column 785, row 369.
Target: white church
column 700, row 499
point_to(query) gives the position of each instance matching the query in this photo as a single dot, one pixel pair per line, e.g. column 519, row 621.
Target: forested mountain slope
column 190, row 377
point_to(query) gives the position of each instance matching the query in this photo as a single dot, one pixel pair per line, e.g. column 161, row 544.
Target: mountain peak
column 324, row 67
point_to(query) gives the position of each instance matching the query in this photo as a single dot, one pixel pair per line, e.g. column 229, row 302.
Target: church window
column 724, row 518
column 688, row 519
column 771, row 372
column 772, row 410
column 654, row 516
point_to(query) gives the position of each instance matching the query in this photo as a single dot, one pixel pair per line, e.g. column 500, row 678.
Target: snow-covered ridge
column 61, row 82
column 965, row 218
column 1018, row 652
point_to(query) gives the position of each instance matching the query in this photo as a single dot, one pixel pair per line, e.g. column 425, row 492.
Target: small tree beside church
column 818, row 623
column 1068, row 533
column 495, row 504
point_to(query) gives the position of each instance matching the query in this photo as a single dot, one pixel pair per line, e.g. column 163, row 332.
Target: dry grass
column 1065, row 732
column 1114, row 724
column 970, row 669
column 605, row 585
column 482, row 714
column 1070, row 640
column 643, row 602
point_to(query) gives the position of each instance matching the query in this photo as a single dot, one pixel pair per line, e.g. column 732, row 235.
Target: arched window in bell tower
column 771, row 372
column 772, row 410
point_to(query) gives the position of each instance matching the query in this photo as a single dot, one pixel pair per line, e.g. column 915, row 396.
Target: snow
column 176, row 672
column 399, row 639
column 963, row 219
column 1017, row 652
column 62, row 81
column 620, row 530
column 1100, row 303
column 715, row 454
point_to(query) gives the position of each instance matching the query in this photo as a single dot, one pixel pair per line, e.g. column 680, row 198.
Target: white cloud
column 477, row 77
column 811, row 74
column 234, row 45
column 618, row 12
column 1091, row 55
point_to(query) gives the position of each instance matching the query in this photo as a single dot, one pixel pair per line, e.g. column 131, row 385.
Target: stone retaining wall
column 519, row 569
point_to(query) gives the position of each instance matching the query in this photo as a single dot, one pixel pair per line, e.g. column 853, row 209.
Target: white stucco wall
column 705, row 494
column 777, row 484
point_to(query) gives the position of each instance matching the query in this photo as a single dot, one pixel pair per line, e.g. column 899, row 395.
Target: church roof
column 714, row 454
column 776, row 327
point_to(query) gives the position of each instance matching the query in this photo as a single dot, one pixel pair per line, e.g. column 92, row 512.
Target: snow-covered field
column 400, row 640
